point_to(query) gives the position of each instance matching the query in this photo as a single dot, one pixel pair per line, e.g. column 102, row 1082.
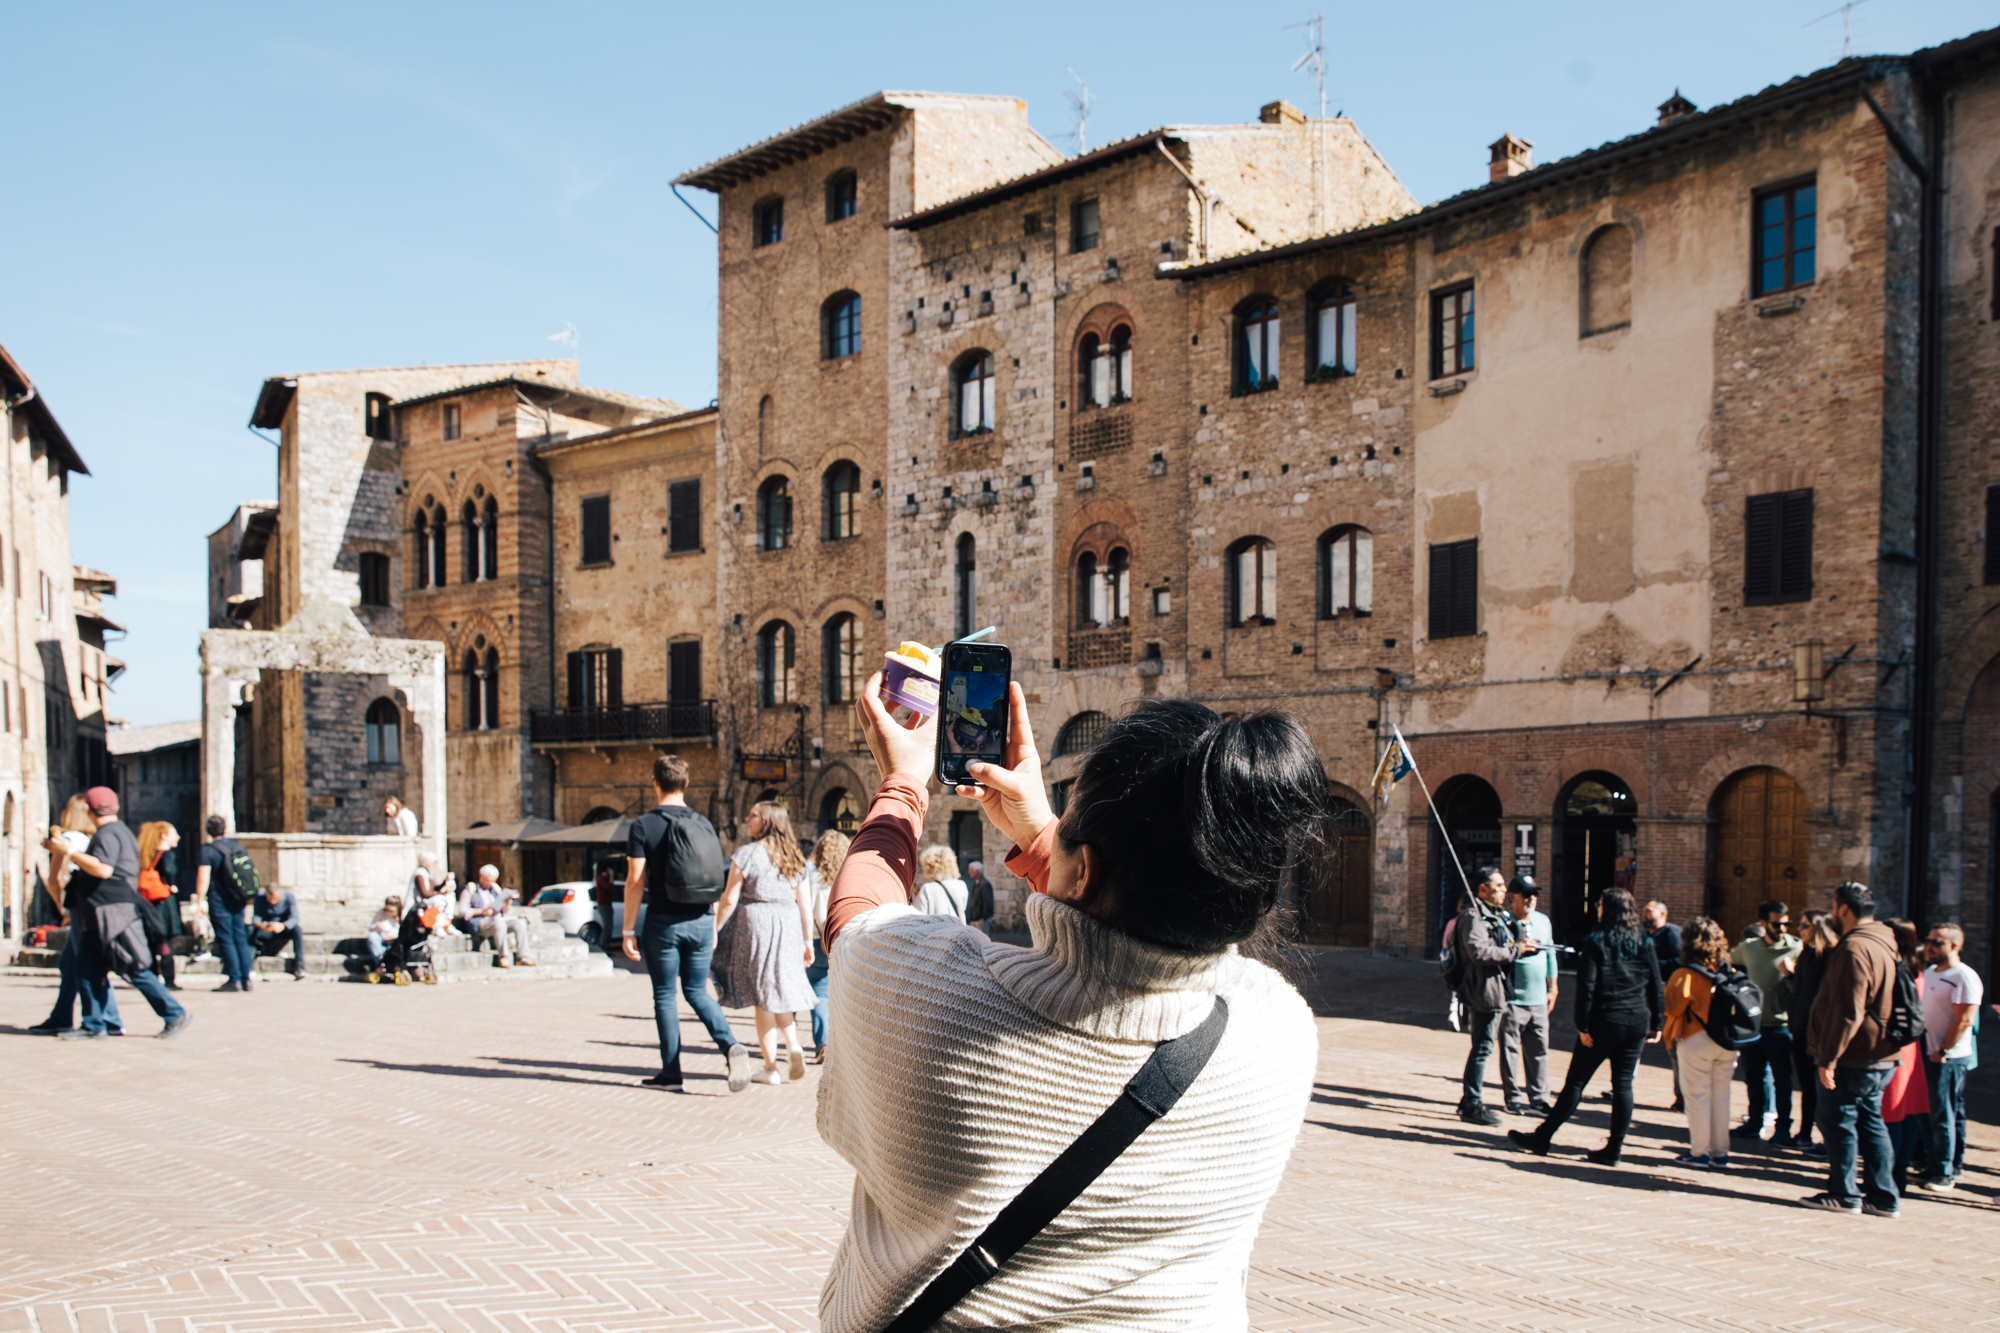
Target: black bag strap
column 1169, row 1072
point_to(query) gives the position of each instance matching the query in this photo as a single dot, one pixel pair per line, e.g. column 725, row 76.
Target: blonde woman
column 1705, row 1065
column 763, row 937
column 162, row 910
column 828, row 853
column 943, row 893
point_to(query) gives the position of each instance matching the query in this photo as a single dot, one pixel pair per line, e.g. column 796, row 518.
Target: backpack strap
column 1172, row 1068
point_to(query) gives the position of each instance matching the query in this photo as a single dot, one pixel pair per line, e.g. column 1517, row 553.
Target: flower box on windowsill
column 974, row 433
column 1245, row 390
column 1328, row 374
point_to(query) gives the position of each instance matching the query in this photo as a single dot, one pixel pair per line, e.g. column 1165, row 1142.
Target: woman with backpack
column 1618, row 1013
column 1706, row 1066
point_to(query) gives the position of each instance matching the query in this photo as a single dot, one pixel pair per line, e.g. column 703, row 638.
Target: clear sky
column 201, row 195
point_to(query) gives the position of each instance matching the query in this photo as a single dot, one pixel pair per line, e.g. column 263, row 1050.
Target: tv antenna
column 568, row 337
column 1080, row 103
column 1846, row 13
column 1315, row 57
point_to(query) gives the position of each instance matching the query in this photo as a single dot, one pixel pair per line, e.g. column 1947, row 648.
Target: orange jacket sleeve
column 1032, row 862
column 881, row 864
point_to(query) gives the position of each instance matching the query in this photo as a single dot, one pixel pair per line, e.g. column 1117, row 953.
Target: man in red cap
column 104, row 904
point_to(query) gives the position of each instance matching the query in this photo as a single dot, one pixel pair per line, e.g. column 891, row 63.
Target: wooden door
column 1760, row 848
column 1336, row 902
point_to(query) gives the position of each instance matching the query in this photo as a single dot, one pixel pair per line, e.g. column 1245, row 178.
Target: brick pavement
column 478, row 1157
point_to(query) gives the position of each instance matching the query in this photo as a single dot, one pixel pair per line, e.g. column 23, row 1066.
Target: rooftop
column 22, row 396
column 138, row 740
column 875, row 112
column 695, row 417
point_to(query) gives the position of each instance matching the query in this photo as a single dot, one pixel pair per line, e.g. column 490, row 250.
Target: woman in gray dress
column 763, row 936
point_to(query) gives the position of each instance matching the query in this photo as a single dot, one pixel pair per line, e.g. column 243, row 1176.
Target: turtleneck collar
column 1097, row 980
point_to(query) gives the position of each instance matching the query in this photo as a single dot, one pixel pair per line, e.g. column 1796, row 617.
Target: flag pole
column 1429, row 801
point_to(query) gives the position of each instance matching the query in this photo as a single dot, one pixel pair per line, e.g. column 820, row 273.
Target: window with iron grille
column 1451, row 331
column 1777, row 548
column 596, row 526
column 1454, row 609
column 684, row 515
column 1786, row 240
column 1082, row 732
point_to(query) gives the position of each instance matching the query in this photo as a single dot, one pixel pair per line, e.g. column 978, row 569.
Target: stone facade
column 158, row 772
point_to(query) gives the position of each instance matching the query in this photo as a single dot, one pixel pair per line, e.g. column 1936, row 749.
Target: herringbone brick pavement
column 475, row 1158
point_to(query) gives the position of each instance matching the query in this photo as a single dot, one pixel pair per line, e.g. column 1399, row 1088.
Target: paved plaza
column 477, row 1156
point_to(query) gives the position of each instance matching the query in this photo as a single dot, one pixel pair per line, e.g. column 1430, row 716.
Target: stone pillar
column 219, row 689
column 423, row 692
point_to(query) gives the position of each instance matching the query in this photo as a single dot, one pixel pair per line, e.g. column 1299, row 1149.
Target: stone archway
column 1470, row 808
column 1336, row 889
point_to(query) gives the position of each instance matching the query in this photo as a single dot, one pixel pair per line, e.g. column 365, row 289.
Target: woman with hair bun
column 966, row 1065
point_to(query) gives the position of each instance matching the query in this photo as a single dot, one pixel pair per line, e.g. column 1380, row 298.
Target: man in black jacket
column 1484, row 949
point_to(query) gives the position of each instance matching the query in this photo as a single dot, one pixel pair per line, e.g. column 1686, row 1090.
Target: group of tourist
column 1872, row 1020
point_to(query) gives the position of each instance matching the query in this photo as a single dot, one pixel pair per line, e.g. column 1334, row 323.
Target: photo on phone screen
column 972, row 716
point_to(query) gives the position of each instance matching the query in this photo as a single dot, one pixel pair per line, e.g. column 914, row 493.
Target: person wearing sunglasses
column 1769, row 956
column 1952, row 992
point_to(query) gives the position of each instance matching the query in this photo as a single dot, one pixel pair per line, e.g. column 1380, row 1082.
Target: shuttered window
column 684, row 516
column 1993, row 534
column 597, row 530
column 1454, row 589
column 684, row 671
column 1777, row 548
column 596, row 678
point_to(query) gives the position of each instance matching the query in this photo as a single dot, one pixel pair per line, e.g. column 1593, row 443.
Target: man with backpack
column 1855, row 1045
column 1770, row 957
column 1484, row 950
column 675, row 853
column 225, row 880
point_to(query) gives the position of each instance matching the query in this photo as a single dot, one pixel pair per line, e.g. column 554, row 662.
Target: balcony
column 626, row 724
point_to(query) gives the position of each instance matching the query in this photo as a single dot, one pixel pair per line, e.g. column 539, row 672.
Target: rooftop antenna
column 1846, row 13
column 568, row 337
column 1080, row 103
column 1314, row 60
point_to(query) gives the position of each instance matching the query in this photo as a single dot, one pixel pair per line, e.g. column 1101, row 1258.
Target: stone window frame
column 430, row 567
column 774, row 513
column 1336, row 292
column 1256, row 340
column 382, row 730
column 1264, row 582
column 1092, row 560
column 1328, row 540
column 375, row 575
column 767, row 221
column 777, row 685
column 840, row 325
column 842, row 203
column 965, row 370
column 1084, row 238
column 1099, row 329
column 840, row 683
column 583, row 551
column 831, row 501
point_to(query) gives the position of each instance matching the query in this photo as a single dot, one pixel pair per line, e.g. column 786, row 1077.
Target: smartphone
column 972, row 712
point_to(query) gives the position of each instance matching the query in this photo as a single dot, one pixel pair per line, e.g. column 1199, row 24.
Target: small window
column 472, row 689
column 1253, row 582
column 1786, row 238
column 774, row 514
column 1451, row 331
column 1083, row 232
column 597, row 679
column 684, row 671
column 383, row 723
column 1992, row 536
column 767, row 425
column 767, row 222
column 374, row 579
column 840, row 196
column 840, row 659
column 596, row 527
column 451, row 421
column 684, row 516
column 1347, row 572
column 841, row 326
column 965, row 575
column 840, row 501
column 1081, row 734
column 1256, row 345
column 1454, row 589
column 1090, row 611
column 777, row 665
column 1778, row 548
column 420, row 543
column 376, row 420
column 438, row 566
column 1163, row 602
column 468, row 524
column 490, row 688
column 1332, row 328
column 489, row 539
column 1607, row 281
column 973, row 394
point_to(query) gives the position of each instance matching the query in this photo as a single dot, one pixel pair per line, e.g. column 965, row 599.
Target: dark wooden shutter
column 1795, row 545
column 597, row 530
column 1993, row 519
column 684, row 516
column 684, row 671
column 1777, row 548
column 1440, row 608
column 576, row 680
column 614, row 678
column 1454, row 596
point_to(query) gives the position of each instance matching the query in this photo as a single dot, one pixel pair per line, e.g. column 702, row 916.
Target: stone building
column 634, row 662
column 156, row 771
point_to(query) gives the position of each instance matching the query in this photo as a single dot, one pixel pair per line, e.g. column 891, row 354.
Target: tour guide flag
column 1395, row 766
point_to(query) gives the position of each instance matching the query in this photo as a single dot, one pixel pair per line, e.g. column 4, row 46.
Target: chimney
column 1281, row 112
column 1511, row 157
column 1676, row 109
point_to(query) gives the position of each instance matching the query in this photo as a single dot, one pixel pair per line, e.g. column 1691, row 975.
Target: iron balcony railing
column 692, row 719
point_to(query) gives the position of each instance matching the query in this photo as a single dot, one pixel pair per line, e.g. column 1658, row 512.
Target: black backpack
column 237, row 870
column 1735, row 1008
column 684, row 858
column 1905, row 1023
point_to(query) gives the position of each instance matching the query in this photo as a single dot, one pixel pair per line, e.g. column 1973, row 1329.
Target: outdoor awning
column 513, row 831
column 604, row 833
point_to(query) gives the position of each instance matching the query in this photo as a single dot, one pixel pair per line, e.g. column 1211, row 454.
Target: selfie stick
column 977, row 634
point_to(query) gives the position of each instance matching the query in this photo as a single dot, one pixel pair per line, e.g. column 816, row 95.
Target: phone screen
column 972, row 714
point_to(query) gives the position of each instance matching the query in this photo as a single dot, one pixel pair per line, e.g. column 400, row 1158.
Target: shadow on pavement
column 536, row 1069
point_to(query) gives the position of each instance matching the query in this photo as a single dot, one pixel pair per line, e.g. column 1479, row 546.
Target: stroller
column 408, row 959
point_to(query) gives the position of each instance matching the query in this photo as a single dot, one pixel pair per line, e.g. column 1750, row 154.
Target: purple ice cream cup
column 910, row 683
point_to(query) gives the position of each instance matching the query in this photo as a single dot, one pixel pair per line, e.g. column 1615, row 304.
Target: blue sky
column 202, row 195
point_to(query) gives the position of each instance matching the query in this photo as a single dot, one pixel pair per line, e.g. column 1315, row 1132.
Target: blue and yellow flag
column 1395, row 766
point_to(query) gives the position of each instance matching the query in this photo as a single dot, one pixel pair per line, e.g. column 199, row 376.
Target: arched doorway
column 1597, row 830
column 1758, row 848
column 1335, row 891
column 1471, row 811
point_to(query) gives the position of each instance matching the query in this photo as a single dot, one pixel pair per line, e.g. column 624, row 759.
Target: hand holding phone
column 973, row 712
column 1011, row 792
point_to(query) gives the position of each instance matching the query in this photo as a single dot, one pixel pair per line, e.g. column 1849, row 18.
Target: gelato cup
column 910, row 678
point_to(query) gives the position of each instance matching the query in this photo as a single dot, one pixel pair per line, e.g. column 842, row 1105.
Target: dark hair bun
column 1197, row 819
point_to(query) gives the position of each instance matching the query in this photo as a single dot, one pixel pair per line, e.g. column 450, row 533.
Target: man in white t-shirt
column 1951, row 1000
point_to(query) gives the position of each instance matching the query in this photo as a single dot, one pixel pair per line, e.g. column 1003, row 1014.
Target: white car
column 570, row 906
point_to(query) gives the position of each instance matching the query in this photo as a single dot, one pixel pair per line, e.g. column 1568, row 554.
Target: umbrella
column 604, row 833
column 516, row 830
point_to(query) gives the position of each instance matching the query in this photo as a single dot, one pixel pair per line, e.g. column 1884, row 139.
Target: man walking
column 1665, row 935
column 1770, row 958
column 1531, row 993
column 216, row 884
column 1484, row 950
column 675, row 854
column 1855, row 1058
column 274, row 923
column 1952, row 993
column 483, row 912
column 104, row 904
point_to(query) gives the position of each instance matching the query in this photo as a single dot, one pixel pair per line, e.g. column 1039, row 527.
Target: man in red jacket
column 1854, row 1059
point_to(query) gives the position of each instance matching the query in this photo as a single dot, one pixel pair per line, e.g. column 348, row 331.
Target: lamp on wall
column 1809, row 671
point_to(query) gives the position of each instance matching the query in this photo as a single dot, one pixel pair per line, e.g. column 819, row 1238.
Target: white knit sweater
column 965, row 1066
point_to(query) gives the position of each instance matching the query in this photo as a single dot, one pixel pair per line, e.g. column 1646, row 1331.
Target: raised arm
column 881, row 864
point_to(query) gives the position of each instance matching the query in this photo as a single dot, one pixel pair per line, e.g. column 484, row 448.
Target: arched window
column 489, row 540
column 1256, row 345
column 1118, row 584
column 1253, row 582
column 1607, row 281
column 1088, row 354
column 420, row 555
column 777, row 665
column 384, row 726
column 774, row 514
column 1089, row 592
column 1347, row 572
column 1106, row 367
column 1332, row 329
column 841, row 196
column 492, row 683
column 469, row 682
column 840, row 323
column 841, row 501
column 964, row 576
column 840, row 659
column 468, row 532
column 972, row 394
column 1121, row 364
column 839, row 811
column 1081, row 733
